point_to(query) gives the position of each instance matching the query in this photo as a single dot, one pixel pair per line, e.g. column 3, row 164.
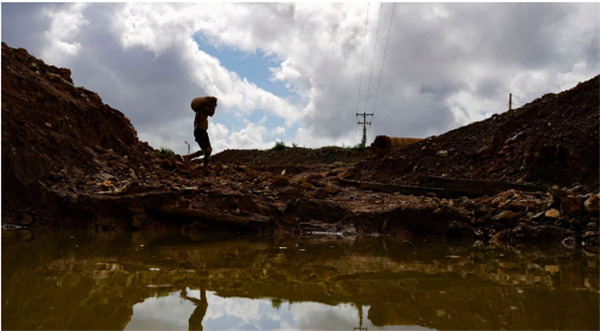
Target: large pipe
column 383, row 144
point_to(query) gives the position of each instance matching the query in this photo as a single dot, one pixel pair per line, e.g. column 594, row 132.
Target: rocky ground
column 69, row 160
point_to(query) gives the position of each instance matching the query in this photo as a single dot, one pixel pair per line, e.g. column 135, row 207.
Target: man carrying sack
column 203, row 107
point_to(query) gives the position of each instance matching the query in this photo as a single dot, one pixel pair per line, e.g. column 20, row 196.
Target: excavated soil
column 69, row 160
column 551, row 141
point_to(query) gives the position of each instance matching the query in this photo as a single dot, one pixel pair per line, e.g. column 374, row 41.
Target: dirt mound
column 68, row 160
column 550, row 141
column 54, row 132
column 294, row 159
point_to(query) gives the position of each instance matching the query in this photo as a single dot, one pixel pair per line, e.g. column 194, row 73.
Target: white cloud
column 62, row 31
column 579, row 72
column 446, row 64
column 250, row 137
column 277, row 131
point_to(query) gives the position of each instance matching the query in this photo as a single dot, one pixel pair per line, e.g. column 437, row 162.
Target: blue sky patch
column 252, row 66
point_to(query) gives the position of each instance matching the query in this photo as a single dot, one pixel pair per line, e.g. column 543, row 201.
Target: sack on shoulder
column 204, row 104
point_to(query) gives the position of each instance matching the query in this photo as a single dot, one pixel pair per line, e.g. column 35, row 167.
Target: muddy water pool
column 141, row 281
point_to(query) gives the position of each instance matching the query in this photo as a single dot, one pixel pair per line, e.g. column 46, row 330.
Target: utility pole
column 510, row 100
column 364, row 124
column 360, row 316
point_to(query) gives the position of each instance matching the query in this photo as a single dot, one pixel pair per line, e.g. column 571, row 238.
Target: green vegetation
column 165, row 153
column 280, row 145
column 276, row 303
column 358, row 147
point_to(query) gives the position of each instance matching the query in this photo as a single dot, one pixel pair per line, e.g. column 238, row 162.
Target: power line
column 384, row 54
column 363, row 56
column 374, row 54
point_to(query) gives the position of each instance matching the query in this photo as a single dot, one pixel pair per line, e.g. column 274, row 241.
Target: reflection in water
column 195, row 321
column 137, row 281
column 248, row 314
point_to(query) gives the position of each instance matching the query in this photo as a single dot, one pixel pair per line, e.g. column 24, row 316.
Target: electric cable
column 363, row 57
column 373, row 61
column 384, row 54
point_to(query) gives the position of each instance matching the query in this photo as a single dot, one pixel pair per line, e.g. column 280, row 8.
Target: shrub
column 359, row 147
column 165, row 153
column 280, row 145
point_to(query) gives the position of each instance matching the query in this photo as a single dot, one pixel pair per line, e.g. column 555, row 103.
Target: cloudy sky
column 300, row 72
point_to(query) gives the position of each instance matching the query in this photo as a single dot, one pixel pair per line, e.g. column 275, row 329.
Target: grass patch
column 358, row 147
column 164, row 153
column 279, row 146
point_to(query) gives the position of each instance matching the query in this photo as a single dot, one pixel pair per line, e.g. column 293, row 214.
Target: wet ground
column 80, row 280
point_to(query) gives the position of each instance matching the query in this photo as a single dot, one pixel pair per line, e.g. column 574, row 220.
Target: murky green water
column 140, row 282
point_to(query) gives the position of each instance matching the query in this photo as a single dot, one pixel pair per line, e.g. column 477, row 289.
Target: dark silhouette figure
column 203, row 107
column 195, row 321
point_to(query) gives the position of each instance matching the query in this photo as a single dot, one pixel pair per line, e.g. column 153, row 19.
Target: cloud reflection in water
column 171, row 312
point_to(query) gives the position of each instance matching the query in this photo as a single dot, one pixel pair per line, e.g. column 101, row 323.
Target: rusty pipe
column 383, row 144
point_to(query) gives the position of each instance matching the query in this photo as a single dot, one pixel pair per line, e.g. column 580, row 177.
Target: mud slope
column 550, row 141
column 53, row 132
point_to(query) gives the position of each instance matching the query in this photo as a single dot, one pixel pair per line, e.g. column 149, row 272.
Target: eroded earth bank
column 527, row 175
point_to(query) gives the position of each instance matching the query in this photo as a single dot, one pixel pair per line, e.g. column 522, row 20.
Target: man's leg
column 207, row 153
column 194, row 155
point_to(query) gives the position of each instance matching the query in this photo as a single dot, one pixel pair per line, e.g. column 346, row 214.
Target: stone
column 552, row 213
column 509, row 265
column 591, row 239
column 281, row 181
column 538, row 217
column 133, row 176
column 103, row 176
column 558, row 193
column 592, row 205
column 501, row 237
column 571, row 206
column 53, row 77
column 515, row 206
column 321, row 193
column 506, row 216
column 569, row 242
column 331, row 188
column 485, row 151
